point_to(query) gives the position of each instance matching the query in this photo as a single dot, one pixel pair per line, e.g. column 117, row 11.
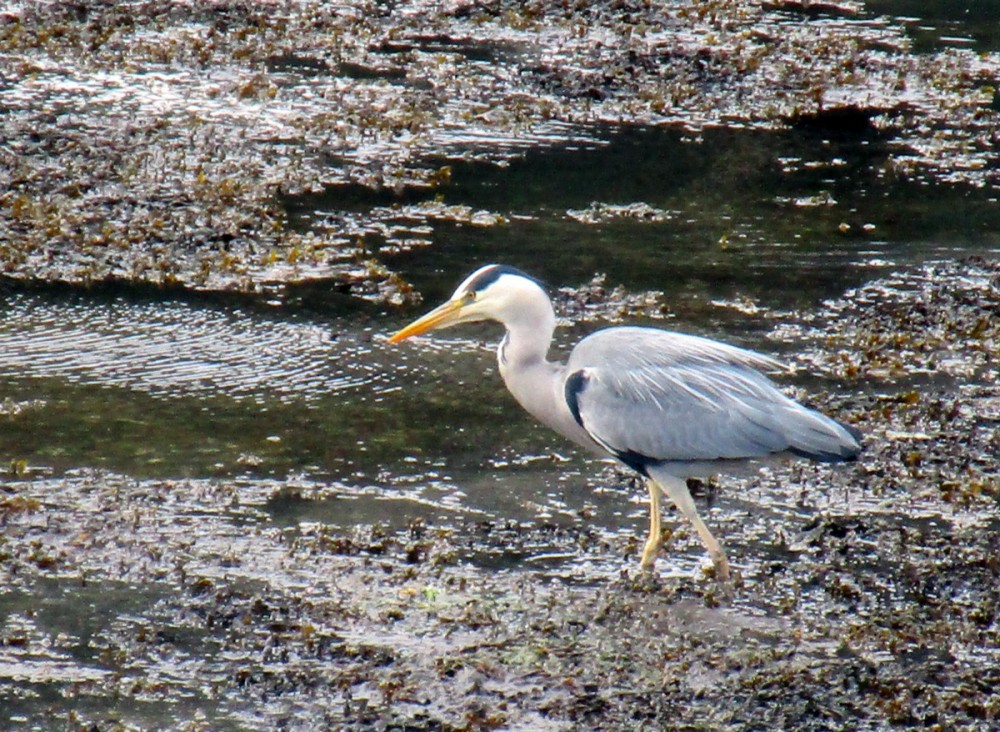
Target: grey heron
column 668, row 405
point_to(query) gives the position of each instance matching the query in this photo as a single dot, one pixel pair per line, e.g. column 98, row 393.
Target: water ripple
column 178, row 349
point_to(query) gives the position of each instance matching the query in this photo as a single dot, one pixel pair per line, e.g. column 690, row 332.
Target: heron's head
column 494, row 292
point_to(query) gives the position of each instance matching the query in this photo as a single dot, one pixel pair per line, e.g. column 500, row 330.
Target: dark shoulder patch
column 575, row 384
column 491, row 274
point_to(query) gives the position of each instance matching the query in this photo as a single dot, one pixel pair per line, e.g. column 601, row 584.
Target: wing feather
column 659, row 396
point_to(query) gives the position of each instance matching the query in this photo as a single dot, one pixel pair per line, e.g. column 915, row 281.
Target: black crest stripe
column 492, row 274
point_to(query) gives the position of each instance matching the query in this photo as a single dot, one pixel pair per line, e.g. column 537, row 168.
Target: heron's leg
column 678, row 491
column 655, row 539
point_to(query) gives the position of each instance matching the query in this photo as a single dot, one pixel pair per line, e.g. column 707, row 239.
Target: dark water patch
column 179, row 389
column 298, row 64
column 814, row 10
column 939, row 24
column 728, row 212
column 471, row 49
column 58, row 643
column 367, row 73
column 402, row 501
column 74, row 608
column 303, row 210
column 850, row 120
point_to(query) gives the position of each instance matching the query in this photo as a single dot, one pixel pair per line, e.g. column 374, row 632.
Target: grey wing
column 652, row 396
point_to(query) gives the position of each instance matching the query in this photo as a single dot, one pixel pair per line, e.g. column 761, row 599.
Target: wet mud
column 866, row 595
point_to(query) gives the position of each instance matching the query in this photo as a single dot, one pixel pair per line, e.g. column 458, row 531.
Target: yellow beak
column 442, row 315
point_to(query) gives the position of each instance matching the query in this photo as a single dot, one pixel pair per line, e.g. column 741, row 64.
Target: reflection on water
column 183, row 389
column 936, row 24
column 172, row 349
column 790, row 217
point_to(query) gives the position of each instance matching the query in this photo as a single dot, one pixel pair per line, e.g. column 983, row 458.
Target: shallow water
column 784, row 217
column 944, row 23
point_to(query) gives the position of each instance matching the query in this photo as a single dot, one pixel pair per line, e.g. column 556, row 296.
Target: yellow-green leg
column 678, row 492
column 655, row 539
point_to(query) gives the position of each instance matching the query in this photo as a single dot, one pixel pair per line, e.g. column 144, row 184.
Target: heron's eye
column 470, row 296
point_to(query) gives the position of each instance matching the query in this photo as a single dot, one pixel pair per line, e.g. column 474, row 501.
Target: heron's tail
column 817, row 437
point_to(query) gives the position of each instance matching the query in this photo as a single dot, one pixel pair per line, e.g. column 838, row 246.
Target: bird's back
column 656, row 397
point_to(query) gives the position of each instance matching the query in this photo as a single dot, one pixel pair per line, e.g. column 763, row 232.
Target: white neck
column 536, row 382
column 529, row 332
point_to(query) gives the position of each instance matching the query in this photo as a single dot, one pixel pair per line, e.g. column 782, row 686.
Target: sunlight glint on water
column 176, row 349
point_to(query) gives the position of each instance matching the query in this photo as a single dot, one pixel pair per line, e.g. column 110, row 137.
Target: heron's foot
column 721, row 566
column 650, row 552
